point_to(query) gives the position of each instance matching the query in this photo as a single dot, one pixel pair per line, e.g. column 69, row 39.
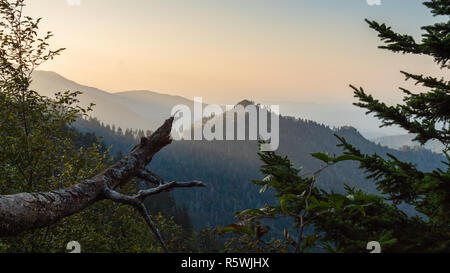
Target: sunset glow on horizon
column 228, row 50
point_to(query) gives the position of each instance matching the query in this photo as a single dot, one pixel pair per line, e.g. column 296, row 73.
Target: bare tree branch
column 137, row 201
column 140, row 207
column 303, row 214
column 150, row 177
column 167, row 187
column 29, row 211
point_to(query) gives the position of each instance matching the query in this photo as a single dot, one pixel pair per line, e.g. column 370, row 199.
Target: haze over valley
column 147, row 110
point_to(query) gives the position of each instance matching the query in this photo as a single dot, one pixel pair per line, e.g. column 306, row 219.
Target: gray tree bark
column 28, row 211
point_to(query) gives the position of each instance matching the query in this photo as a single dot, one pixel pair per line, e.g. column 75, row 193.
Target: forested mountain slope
column 229, row 166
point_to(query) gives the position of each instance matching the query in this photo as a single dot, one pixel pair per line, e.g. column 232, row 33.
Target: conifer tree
column 347, row 222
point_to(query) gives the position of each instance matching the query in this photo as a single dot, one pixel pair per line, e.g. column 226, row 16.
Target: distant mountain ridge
column 401, row 142
column 145, row 110
column 152, row 104
column 142, row 109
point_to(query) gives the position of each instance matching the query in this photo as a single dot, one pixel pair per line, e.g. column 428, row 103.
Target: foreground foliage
column 347, row 222
column 41, row 152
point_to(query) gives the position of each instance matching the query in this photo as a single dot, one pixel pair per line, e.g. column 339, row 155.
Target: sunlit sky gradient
column 292, row 50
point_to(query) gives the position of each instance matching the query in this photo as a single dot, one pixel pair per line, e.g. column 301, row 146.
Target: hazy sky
column 292, row 50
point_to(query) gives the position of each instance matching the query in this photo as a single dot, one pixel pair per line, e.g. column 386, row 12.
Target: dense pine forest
column 230, row 166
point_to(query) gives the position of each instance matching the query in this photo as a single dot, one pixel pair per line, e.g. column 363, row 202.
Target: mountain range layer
column 227, row 167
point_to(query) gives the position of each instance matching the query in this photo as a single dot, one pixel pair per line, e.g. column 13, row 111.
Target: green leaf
column 284, row 201
column 250, row 212
column 309, row 241
column 321, row 156
column 346, row 158
column 264, row 188
column 288, row 237
column 268, row 178
column 235, row 228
